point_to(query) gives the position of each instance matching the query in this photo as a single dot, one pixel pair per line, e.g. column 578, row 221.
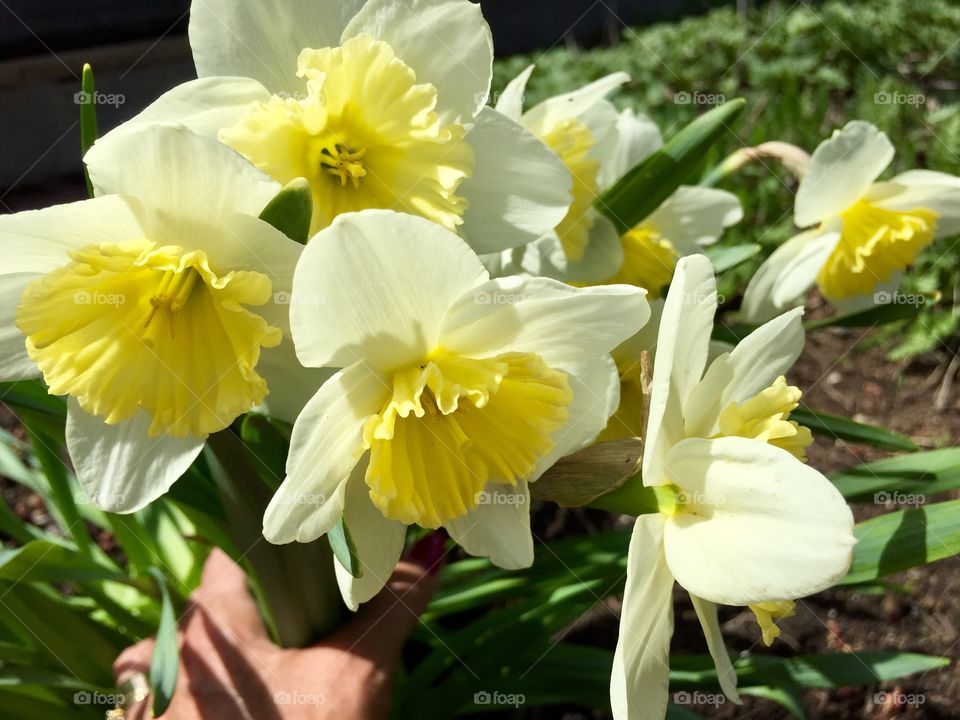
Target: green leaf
column 165, row 661
column 726, row 257
column 918, row 475
column 900, row 540
column 32, row 395
column 291, row 211
column 344, row 549
column 68, row 636
column 46, row 561
column 644, row 188
column 88, row 118
column 878, row 315
column 268, row 448
column 843, row 428
column 62, row 488
column 788, row 697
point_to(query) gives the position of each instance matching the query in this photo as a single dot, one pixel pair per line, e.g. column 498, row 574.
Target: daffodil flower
column 861, row 234
column 742, row 520
column 455, row 391
column 151, row 307
column 599, row 146
column 378, row 104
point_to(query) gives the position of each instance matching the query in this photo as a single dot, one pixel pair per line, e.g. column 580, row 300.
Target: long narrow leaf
column 644, row 188
column 900, row 540
column 165, row 662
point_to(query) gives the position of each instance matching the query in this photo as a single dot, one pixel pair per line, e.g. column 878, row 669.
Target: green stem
column 295, row 584
column 633, row 498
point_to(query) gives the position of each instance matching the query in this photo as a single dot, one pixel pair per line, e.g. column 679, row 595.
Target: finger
column 135, row 659
column 383, row 625
column 224, row 595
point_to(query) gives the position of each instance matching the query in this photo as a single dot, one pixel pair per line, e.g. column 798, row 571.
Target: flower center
column 874, row 244
column 572, row 141
column 452, row 425
column 648, row 260
column 365, row 134
column 133, row 326
column 344, row 163
column 765, row 417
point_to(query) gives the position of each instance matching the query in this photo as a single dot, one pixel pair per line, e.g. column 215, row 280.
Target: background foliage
column 805, row 70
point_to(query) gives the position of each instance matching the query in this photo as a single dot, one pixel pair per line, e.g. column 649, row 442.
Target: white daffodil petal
column 289, row 383
column 596, row 394
column 14, row 362
column 601, row 120
column 602, row 257
column 120, row 466
column 189, row 180
column 38, row 241
column 519, row 189
column 377, row 285
column 757, row 524
column 764, row 355
column 701, row 411
column 641, row 667
column 841, row 171
column 510, row 101
column 572, row 104
column 786, row 276
column 726, row 675
column 379, row 542
column 694, row 217
column 638, row 137
column 446, row 42
column 326, row 445
column 262, row 39
column 924, row 189
column 541, row 258
column 682, row 347
column 498, row 527
column 205, row 106
column 566, row 326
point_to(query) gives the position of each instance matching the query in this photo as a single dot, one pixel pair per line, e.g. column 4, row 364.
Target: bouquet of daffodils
column 327, row 297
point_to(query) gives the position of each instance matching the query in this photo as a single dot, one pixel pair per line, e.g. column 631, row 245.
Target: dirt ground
column 842, row 372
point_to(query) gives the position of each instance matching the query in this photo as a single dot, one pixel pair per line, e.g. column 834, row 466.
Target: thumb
column 383, row 624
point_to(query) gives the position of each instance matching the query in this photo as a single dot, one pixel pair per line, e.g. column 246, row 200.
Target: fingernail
column 430, row 551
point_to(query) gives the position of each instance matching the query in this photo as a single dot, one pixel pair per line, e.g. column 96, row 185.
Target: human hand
column 230, row 668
